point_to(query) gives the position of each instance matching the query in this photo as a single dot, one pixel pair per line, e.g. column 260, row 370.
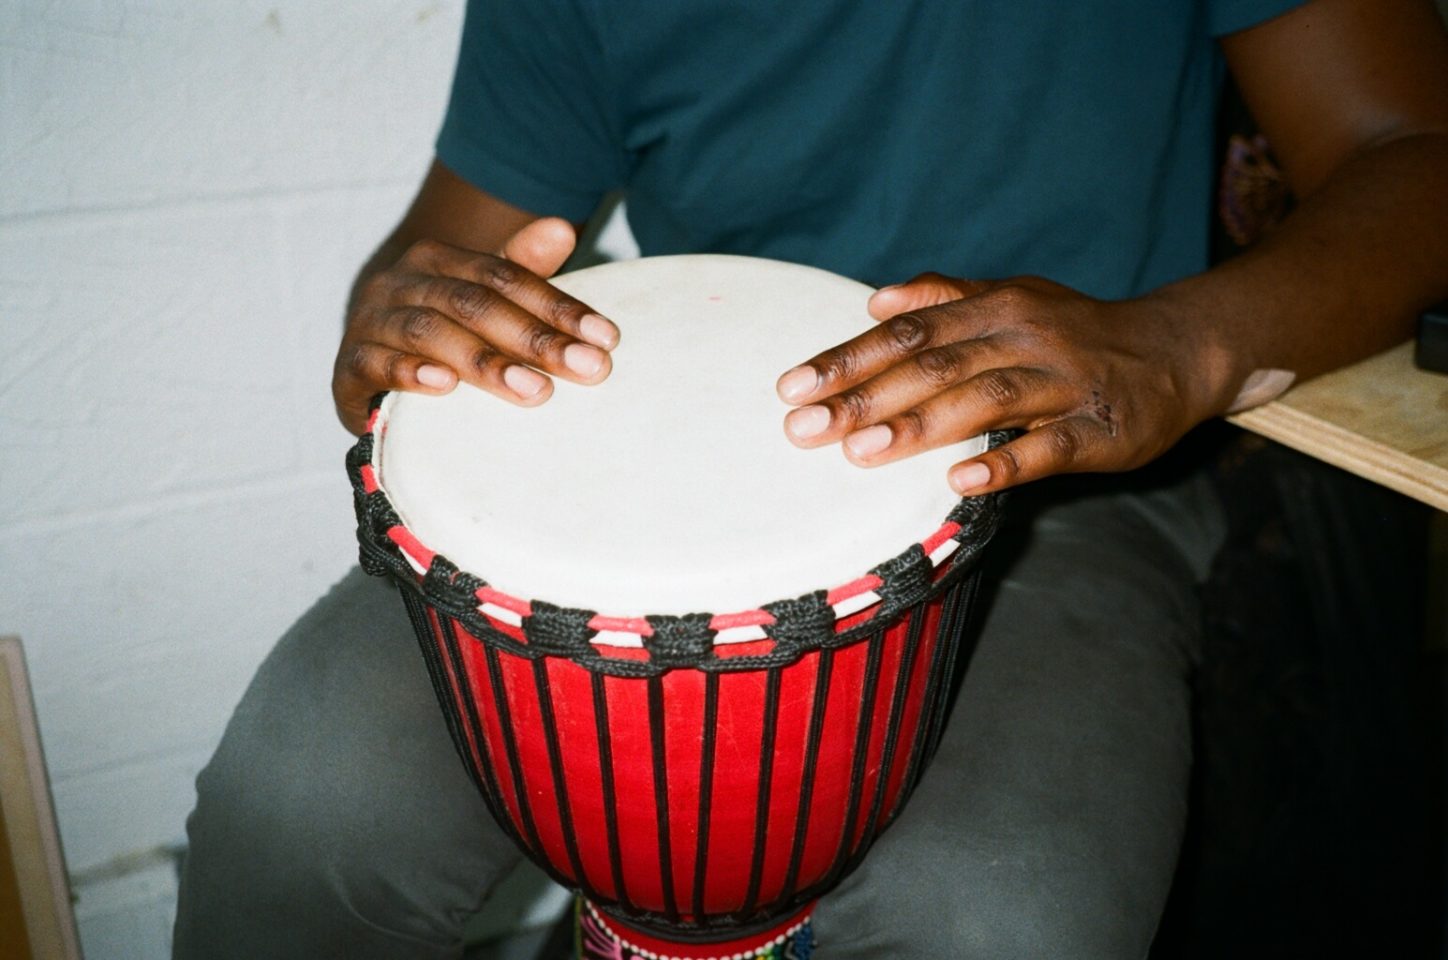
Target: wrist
column 1205, row 369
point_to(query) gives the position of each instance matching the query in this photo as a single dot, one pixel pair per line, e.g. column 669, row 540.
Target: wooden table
column 1382, row 419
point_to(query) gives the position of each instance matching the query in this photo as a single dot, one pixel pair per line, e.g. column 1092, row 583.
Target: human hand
column 1096, row 385
column 441, row 313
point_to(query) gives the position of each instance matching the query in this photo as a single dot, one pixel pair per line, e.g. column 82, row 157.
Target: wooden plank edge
column 1352, row 452
column 30, row 817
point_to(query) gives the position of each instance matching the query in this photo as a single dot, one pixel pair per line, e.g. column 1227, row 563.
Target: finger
column 907, row 383
column 368, row 368
column 1070, row 445
column 862, row 357
column 926, row 290
column 518, row 284
column 485, row 314
column 996, row 399
column 980, row 381
column 363, row 370
column 542, row 246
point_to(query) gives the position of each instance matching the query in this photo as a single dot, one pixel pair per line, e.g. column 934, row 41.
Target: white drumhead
column 670, row 487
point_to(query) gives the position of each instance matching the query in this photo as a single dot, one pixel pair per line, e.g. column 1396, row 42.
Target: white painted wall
column 186, row 188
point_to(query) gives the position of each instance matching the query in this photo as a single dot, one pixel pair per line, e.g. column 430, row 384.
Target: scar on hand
column 1101, row 410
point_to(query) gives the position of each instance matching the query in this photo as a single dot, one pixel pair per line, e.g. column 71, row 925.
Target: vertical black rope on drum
column 555, row 765
column 944, row 644
column 957, row 606
column 706, row 790
column 488, row 784
column 915, row 627
column 761, row 802
column 427, row 643
column 874, row 654
column 661, row 795
column 510, row 747
column 610, row 802
column 811, row 764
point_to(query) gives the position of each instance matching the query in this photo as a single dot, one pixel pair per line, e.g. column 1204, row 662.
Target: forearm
column 1342, row 278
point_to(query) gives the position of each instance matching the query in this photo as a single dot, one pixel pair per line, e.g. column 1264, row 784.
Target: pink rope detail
column 932, row 542
column 636, row 625
column 745, row 618
column 522, row 608
column 372, row 419
column 410, row 545
column 369, row 478
column 853, row 589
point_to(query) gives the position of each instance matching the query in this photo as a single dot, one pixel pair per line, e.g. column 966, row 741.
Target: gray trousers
column 336, row 820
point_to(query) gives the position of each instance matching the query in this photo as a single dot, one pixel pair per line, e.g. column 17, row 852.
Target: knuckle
column 911, row 425
column 1065, row 443
column 470, row 301
column 375, row 288
column 938, row 367
column 422, row 251
column 419, row 325
column 1011, row 299
column 1007, row 462
column 501, row 273
column 999, row 389
column 392, row 368
column 908, row 331
column 482, row 358
column 853, row 406
column 837, row 366
column 563, row 312
column 543, row 341
column 352, row 360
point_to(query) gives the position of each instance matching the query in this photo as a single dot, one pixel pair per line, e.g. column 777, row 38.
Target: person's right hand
column 442, row 313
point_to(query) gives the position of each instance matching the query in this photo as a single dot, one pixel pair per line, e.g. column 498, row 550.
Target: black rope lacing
column 801, row 624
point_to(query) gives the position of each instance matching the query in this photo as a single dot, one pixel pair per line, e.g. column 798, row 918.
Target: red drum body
column 692, row 800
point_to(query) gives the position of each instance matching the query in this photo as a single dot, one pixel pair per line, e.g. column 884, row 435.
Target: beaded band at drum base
column 599, row 941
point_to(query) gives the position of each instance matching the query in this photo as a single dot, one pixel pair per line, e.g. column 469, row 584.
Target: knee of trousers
column 938, row 901
column 287, row 858
column 335, row 802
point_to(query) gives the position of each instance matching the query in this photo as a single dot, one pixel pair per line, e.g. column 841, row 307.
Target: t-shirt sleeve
column 1229, row 16
column 530, row 119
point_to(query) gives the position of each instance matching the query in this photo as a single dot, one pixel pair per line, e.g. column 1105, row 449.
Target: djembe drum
column 701, row 777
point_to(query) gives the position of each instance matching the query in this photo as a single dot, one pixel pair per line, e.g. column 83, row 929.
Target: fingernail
column 582, row 359
column 523, row 381
column 869, row 441
column 598, row 331
column 435, row 377
column 798, row 384
column 969, row 477
column 807, row 422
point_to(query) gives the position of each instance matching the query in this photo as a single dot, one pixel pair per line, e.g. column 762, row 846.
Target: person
column 1043, row 172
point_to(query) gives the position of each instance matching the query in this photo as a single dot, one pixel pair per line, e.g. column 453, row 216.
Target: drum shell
column 695, row 800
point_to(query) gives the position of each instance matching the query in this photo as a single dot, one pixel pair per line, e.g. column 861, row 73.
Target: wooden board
column 37, row 896
column 1382, row 419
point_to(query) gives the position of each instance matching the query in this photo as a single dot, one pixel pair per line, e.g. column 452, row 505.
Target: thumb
column 542, row 245
column 926, row 290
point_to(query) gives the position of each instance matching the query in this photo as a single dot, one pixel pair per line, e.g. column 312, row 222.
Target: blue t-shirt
column 982, row 138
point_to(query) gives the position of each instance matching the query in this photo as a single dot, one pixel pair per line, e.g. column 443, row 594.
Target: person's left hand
column 1095, row 385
